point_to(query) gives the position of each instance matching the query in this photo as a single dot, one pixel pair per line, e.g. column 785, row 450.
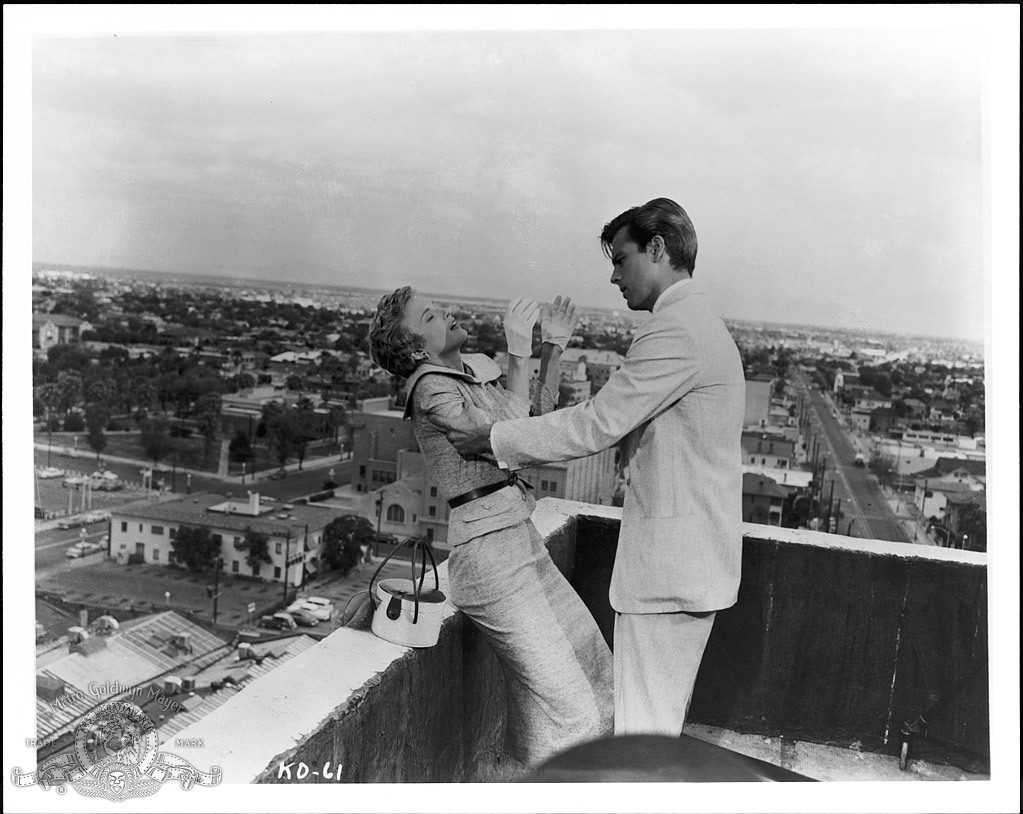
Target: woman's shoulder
column 483, row 367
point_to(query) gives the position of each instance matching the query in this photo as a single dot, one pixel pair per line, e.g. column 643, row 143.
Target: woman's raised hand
column 558, row 321
column 519, row 319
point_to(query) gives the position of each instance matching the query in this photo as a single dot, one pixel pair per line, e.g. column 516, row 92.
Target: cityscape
column 221, row 460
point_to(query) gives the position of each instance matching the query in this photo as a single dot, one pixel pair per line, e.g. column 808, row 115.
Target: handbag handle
column 424, row 548
column 416, row 587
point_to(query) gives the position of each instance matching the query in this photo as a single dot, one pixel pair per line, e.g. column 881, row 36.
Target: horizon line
column 226, row 276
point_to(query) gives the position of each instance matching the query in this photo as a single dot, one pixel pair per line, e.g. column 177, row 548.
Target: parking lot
column 55, row 499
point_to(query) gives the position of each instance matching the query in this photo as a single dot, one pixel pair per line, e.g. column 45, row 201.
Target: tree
column 239, row 449
column 972, row 522
column 49, row 396
column 338, row 421
column 101, row 392
column 67, row 357
column 882, row 466
column 207, row 414
column 73, row 422
column 343, row 539
column 96, row 417
column 69, row 390
column 257, row 544
column 155, row 438
column 143, row 395
column 302, row 426
column 195, row 548
column 277, row 431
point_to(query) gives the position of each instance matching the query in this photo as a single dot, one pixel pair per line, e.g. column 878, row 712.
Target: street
column 862, row 500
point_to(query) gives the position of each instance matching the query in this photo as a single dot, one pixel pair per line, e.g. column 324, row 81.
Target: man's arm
column 468, row 432
column 660, row 368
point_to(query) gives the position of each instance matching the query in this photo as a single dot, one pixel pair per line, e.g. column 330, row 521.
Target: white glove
column 519, row 320
column 558, row 322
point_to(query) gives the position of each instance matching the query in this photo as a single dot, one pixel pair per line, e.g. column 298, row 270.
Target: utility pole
column 380, row 509
column 174, row 463
column 214, row 592
column 831, row 498
column 287, row 554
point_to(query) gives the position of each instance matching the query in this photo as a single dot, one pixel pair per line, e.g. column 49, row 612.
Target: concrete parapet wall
column 834, row 640
column 381, row 712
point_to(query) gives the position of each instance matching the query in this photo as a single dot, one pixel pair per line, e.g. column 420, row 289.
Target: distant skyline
column 210, row 279
column 834, row 176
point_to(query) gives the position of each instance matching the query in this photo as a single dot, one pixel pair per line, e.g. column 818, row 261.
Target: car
column 95, row 517
column 278, row 621
column 279, row 475
column 304, row 618
column 48, row 472
column 319, row 612
column 320, row 602
column 84, row 549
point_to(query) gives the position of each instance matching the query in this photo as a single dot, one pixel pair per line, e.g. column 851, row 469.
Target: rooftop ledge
column 835, row 642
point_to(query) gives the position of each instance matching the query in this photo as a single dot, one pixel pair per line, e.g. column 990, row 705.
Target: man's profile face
column 634, row 272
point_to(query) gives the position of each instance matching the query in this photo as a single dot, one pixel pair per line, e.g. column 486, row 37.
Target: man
column 676, row 406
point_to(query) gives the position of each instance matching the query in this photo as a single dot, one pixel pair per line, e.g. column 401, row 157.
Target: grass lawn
column 189, row 451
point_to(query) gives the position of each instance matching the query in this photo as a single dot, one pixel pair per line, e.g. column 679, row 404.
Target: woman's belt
column 489, row 489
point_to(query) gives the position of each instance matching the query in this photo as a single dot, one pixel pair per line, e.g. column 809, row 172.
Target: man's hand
column 519, row 319
column 468, row 432
column 558, row 322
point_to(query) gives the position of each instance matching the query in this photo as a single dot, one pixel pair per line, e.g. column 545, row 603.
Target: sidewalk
column 320, row 462
column 905, row 518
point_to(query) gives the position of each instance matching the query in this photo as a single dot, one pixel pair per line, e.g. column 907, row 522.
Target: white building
column 294, row 533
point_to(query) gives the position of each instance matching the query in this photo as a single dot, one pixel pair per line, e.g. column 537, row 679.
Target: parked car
column 279, row 475
column 860, row 460
column 319, row 601
column 319, row 612
column 278, row 621
column 48, row 472
column 79, row 550
column 304, row 618
column 106, row 481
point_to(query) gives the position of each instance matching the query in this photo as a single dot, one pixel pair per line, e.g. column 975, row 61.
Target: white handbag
column 404, row 613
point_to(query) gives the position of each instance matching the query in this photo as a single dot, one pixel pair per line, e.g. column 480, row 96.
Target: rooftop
column 222, row 512
column 835, row 645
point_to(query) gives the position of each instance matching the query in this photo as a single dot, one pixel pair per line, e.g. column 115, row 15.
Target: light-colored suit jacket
column 676, row 405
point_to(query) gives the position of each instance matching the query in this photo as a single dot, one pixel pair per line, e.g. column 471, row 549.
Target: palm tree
column 48, row 395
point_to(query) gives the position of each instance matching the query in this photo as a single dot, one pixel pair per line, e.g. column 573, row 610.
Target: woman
column 557, row 667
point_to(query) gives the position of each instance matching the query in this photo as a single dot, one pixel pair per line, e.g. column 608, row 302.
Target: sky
column 844, row 166
column 834, row 176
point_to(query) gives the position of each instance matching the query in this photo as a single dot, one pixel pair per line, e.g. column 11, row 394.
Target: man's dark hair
column 663, row 217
